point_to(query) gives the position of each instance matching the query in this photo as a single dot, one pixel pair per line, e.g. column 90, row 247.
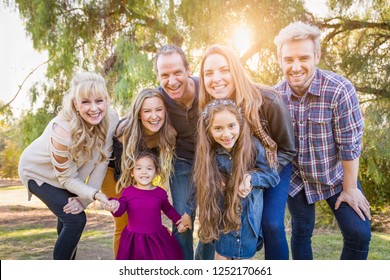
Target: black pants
column 69, row 226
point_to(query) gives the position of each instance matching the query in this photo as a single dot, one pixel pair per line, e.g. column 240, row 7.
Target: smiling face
column 225, row 129
column 298, row 62
column 92, row 109
column 144, row 172
column 217, row 77
column 152, row 115
column 173, row 75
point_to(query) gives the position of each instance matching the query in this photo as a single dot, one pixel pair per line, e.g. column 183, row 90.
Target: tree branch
column 21, row 85
column 370, row 90
column 347, row 24
column 256, row 47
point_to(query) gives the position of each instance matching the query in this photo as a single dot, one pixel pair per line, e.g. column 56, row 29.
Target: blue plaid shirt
column 328, row 128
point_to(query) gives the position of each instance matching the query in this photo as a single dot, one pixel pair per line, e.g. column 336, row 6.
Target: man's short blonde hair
column 298, row 31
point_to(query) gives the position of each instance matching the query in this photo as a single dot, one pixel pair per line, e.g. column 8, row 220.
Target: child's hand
column 181, row 228
column 102, row 198
column 114, row 205
column 186, row 220
column 107, row 204
column 245, row 187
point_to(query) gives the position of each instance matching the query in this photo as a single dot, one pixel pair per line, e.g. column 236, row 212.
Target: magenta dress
column 145, row 237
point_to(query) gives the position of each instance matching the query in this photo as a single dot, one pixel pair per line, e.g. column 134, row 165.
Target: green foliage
column 375, row 163
column 356, row 44
column 32, row 125
column 9, row 145
column 100, row 36
column 9, row 158
column 136, row 73
column 120, row 38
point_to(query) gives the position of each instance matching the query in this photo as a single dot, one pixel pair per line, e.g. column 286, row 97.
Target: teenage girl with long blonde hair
column 146, row 128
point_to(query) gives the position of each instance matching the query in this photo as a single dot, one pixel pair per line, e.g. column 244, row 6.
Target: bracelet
column 95, row 195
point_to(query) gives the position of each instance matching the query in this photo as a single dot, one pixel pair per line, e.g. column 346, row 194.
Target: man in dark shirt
column 180, row 92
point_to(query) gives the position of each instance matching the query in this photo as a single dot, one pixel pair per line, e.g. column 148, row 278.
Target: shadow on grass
column 28, row 233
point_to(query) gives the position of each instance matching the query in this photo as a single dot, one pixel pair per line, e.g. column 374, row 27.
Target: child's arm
column 170, row 211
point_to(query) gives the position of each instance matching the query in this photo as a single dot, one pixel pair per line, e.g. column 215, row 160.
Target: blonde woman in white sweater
column 65, row 166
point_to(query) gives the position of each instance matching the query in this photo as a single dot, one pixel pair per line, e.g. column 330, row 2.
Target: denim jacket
column 244, row 243
column 263, row 176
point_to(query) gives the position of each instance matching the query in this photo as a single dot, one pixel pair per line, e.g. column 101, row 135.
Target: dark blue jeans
column 69, row 226
column 180, row 185
column 356, row 232
column 274, row 233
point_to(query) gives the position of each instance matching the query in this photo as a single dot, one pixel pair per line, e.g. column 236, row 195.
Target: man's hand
column 355, row 198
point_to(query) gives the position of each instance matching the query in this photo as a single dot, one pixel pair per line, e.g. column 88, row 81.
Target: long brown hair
column 133, row 142
column 217, row 193
column 247, row 96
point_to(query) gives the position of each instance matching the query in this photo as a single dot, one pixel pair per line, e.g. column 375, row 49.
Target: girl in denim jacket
column 230, row 173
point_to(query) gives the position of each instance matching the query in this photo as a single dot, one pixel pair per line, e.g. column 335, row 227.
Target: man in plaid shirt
column 328, row 129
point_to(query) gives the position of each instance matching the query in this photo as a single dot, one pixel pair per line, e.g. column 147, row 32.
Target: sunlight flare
column 242, row 38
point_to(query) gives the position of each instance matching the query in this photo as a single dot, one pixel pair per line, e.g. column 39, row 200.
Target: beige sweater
column 37, row 163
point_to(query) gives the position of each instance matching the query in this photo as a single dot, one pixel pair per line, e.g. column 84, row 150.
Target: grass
column 327, row 246
column 28, row 233
column 36, row 242
column 27, row 244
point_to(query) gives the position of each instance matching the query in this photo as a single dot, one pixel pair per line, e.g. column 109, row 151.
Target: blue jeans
column 180, row 184
column 205, row 251
column 69, row 226
column 356, row 232
column 274, row 233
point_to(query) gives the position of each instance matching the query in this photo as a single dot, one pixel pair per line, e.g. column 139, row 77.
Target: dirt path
column 17, row 212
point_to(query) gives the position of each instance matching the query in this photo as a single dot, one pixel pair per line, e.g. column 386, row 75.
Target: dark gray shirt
column 185, row 121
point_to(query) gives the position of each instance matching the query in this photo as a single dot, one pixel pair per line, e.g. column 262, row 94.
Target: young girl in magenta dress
column 231, row 171
column 145, row 237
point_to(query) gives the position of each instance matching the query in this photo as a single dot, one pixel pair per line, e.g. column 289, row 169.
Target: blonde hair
column 298, row 31
column 85, row 137
column 133, row 142
column 216, row 216
column 247, row 96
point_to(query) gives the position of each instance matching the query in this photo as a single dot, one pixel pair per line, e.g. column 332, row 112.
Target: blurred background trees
column 119, row 39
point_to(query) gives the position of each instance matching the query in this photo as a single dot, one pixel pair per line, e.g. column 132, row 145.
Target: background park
column 119, row 39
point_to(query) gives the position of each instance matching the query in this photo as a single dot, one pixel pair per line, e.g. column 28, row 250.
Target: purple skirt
column 159, row 245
